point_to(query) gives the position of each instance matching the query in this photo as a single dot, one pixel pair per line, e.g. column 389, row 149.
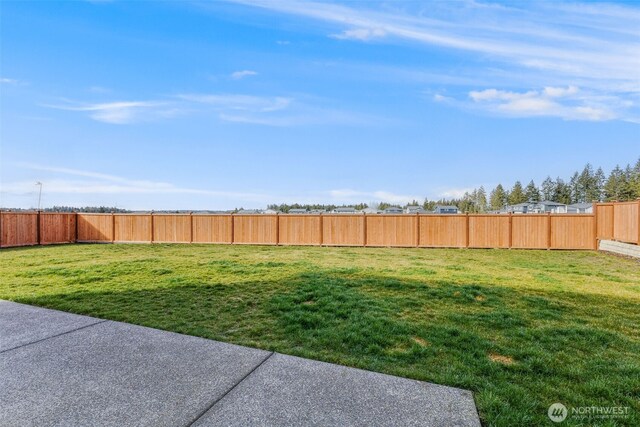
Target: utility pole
column 39, row 194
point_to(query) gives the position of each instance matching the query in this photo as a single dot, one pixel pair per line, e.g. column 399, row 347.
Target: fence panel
column 18, row 229
column 391, row 230
column 171, row 228
column 95, row 227
column 212, row 229
column 255, row 229
column 445, row 231
column 530, row 231
column 604, row 215
column 626, row 222
column 299, row 230
column 57, row 228
column 572, row 232
column 343, row 230
column 489, row 231
column 132, row 228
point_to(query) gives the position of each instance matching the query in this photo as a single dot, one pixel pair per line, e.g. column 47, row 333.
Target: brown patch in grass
column 420, row 341
column 480, row 298
column 310, row 302
column 498, row 358
column 456, row 294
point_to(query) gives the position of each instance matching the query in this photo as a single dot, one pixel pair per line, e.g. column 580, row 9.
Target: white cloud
column 237, row 75
column 453, row 193
column 362, row 34
column 593, row 46
column 564, row 102
column 120, row 112
column 5, row 80
column 240, row 102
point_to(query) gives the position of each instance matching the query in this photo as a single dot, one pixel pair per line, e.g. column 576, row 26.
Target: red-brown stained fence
column 57, row 228
column 619, row 221
column 18, row 229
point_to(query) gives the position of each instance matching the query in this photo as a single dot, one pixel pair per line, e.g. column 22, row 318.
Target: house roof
column 550, row 203
column 581, row 205
column 446, row 207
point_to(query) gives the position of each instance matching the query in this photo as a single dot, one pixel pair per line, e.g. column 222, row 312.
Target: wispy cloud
column 355, row 196
column 8, row 81
column 58, row 181
column 566, row 103
column 593, row 46
column 121, row 112
column 237, row 75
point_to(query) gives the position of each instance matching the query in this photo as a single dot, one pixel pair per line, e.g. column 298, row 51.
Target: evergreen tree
column 532, row 193
column 612, row 186
column 562, row 192
column 481, row 200
column 498, row 198
column 574, row 188
column 599, row 180
column 517, row 194
column 548, row 188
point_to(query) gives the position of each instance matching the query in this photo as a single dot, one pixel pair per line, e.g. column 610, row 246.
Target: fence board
column 391, row 230
column 18, row 229
column 255, row 229
column 132, row 227
column 171, row 228
column 212, row 229
column 529, row 231
column 444, row 231
column 57, row 228
column 604, row 213
column 299, row 230
column 343, row 230
column 572, row 232
column 488, row 231
column 625, row 222
column 94, row 227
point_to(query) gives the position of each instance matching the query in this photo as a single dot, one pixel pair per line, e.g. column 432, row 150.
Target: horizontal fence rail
column 609, row 221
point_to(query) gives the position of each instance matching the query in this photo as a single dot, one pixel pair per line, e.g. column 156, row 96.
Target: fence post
column 638, row 242
column 233, row 220
column 190, row 227
column 466, row 230
column 510, row 243
column 321, row 229
column 38, row 229
column 113, row 227
column 594, row 207
column 548, row 230
column 1, row 228
column 364, row 229
column 417, row 230
column 277, row 229
column 151, row 227
column 76, row 226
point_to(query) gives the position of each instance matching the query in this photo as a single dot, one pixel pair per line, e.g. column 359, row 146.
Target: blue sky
column 216, row 105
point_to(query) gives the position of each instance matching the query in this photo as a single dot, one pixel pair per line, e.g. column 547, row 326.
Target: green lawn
column 522, row 329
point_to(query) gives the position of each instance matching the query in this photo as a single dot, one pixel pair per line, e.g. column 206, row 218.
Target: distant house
column 520, row 208
column 414, row 209
column 370, row 211
column 250, row 212
column 445, row 209
column 547, row 206
column 344, row 210
column 393, row 210
column 581, row 208
column 298, row 211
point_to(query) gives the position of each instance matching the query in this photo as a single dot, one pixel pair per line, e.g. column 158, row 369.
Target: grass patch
column 522, row 329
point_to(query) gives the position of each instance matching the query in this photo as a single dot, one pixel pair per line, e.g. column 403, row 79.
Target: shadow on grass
column 517, row 350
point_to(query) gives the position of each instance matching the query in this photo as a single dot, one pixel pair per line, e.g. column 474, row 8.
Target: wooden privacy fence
column 610, row 221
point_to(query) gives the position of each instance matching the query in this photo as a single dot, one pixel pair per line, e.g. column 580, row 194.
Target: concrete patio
column 64, row 369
